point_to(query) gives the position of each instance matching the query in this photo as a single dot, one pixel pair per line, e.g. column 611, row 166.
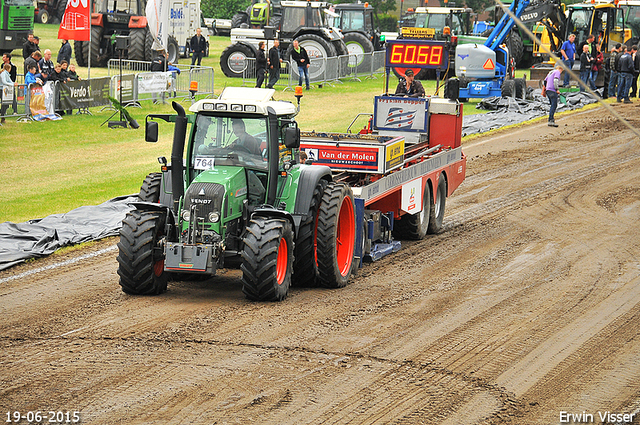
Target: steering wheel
column 238, row 147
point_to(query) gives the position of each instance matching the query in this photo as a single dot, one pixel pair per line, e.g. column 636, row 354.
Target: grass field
column 55, row 166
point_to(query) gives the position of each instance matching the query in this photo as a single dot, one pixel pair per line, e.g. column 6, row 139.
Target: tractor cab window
column 293, row 19
column 352, row 20
column 230, row 141
column 579, row 24
column 118, row 6
column 19, row 3
column 315, row 18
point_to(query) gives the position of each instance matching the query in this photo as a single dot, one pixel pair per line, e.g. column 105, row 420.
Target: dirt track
column 526, row 306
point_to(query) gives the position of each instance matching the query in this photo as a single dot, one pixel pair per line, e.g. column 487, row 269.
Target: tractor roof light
column 446, row 31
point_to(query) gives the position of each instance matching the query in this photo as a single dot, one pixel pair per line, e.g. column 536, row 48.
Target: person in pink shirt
column 552, row 82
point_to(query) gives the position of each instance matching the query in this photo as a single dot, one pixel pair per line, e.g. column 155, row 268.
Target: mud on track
column 527, row 305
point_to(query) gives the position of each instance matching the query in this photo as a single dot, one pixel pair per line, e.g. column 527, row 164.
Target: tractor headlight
column 186, row 215
column 214, row 216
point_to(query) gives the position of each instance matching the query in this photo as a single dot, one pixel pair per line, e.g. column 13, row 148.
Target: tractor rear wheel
column 436, row 209
column 415, row 226
column 78, row 48
column 305, row 267
column 239, row 19
column 137, row 44
column 359, row 48
column 233, row 59
column 96, row 41
column 148, row 45
column 267, row 259
column 141, row 255
column 336, row 236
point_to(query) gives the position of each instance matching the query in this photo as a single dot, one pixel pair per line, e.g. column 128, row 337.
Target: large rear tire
column 137, row 44
column 141, row 256
column 516, row 48
column 233, row 60
column 359, row 48
column 318, row 49
column 239, row 19
column 148, row 45
column 267, row 259
column 78, row 49
column 415, row 226
column 305, row 267
column 336, row 236
column 97, row 59
column 436, row 209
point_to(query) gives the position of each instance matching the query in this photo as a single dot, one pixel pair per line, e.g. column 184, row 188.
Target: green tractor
column 241, row 199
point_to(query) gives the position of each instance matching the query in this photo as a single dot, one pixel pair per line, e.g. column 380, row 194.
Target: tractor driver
column 408, row 87
column 244, row 140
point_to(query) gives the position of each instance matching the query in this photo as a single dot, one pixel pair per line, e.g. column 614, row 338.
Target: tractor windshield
column 352, row 20
column 129, row 7
column 229, row 141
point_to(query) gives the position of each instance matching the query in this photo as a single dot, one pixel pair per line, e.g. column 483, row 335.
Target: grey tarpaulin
column 41, row 237
column 508, row 110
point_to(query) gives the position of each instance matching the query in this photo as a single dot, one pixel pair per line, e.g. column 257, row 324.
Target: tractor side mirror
column 292, row 137
column 151, row 131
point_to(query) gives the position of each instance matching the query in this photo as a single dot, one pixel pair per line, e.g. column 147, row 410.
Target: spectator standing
column 613, row 70
column 597, row 67
column 300, row 56
column 409, row 87
column 274, row 64
column 586, row 62
column 46, row 66
column 261, row 64
column 198, row 46
column 32, row 60
column 13, row 74
column 175, row 71
column 551, row 83
column 625, row 66
column 636, row 70
column 28, row 47
column 64, row 54
column 568, row 52
column 5, row 81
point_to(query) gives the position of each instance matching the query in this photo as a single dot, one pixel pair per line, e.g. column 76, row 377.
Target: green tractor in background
column 260, row 14
column 241, row 199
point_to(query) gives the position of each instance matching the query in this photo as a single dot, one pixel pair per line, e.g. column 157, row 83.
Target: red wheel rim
column 345, row 236
column 281, row 261
column 158, row 268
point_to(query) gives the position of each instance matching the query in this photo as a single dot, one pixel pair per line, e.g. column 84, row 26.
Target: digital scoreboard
column 417, row 54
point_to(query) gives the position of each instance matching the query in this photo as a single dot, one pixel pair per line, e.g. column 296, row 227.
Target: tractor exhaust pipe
column 177, row 152
column 274, row 154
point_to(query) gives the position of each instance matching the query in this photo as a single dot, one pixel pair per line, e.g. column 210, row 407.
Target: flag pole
column 89, row 59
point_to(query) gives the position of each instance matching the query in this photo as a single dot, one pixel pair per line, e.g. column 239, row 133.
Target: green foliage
column 223, row 9
column 388, row 23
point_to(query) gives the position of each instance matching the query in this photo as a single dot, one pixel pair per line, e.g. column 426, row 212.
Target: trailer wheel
column 508, row 88
column 173, row 51
column 233, row 59
column 150, row 189
column 141, row 256
column 359, row 49
column 436, row 209
column 415, row 226
column 137, row 44
column 305, row 267
column 336, row 236
column 267, row 259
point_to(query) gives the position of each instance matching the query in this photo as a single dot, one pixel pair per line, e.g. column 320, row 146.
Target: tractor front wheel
column 267, row 259
column 141, row 255
column 336, row 236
